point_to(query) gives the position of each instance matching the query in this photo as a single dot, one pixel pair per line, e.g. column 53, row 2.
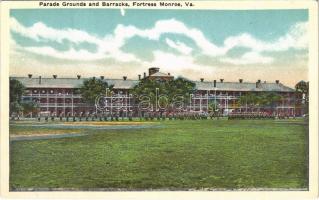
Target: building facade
column 61, row 96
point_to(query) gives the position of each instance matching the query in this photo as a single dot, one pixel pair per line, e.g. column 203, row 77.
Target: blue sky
column 252, row 44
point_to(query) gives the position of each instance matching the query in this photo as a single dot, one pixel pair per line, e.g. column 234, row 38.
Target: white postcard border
column 216, row 5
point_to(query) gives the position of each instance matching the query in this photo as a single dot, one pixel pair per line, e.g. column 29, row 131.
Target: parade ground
column 159, row 155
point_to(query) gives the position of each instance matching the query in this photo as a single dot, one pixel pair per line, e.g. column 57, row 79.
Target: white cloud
column 179, row 64
column 81, row 54
column 70, row 54
column 41, row 32
column 248, row 58
column 110, row 45
column 176, row 27
column 295, row 38
column 179, row 46
column 115, row 41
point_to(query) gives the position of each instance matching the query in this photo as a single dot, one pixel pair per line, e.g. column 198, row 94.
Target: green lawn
column 171, row 155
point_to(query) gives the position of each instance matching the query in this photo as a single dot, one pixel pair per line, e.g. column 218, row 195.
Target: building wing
column 245, row 86
column 70, row 82
column 50, row 82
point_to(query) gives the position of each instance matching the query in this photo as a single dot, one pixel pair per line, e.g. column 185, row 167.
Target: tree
column 270, row 100
column 302, row 88
column 264, row 99
column 15, row 107
column 147, row 88
column 169, row 92
column 180, row 87
column 30, row 107
column 92, row 88
column 249, row 99
column 17, row 89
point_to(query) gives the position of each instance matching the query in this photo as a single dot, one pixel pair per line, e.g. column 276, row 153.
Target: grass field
column 166, row 155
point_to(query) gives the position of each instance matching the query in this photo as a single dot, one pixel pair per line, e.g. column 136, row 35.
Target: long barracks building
column 60, row 96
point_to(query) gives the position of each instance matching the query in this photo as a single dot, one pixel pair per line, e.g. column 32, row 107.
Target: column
column 64, row 102
column 207, row 101
column 47, row 100
column 72, row 107
column 56, row 101
column 200, row 103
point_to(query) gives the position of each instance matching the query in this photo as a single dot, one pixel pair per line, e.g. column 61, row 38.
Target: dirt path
column 43, row 136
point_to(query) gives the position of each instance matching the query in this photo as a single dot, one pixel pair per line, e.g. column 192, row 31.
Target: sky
column 209, row 44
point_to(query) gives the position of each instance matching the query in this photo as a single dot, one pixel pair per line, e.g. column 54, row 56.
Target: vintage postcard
column 159, row 99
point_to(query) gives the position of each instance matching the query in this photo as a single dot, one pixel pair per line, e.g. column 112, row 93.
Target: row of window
column 51, row 91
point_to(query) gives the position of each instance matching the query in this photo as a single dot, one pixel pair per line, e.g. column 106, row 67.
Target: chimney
column 30, row 75
column 201, row 79
column 144, row 74
column 257, row 84
column 277, row 81
column 40, row 80
column 153, row 70
column 102, row 77
column 79, row 76
column 221, row 80
column 240, row 80
column 55, row 76
column 214, row 83
column 139, row 77
column 124, row 78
